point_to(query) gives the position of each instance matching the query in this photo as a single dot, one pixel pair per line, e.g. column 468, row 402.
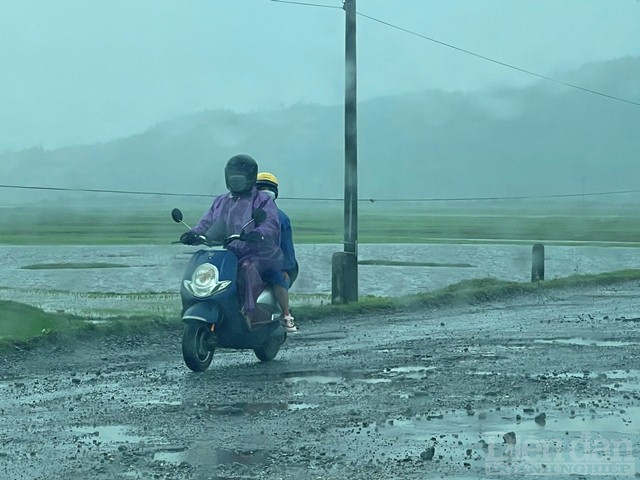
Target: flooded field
column 102, row 280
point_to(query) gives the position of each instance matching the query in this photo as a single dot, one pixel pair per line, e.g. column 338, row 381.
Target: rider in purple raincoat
column 259, row 250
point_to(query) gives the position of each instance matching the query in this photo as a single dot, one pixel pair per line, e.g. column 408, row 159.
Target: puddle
column 456, row 435
column 627, row 380
column 321, row 379
column 294, row 407
column 143, row 403
column 18, row 382
column 409, row 369
column 623, row 374
column 486, row 349
column 603, row 422
column 301, row 376
column 566, row 375
column 631, row 378
column 373, row 381
column 97, row 321
column 169, row 457
column 261, row 407
column 631, row 387
column 410, row 372
column 248, row 457
column 588, row 342
column 223, row 456
column 109, row 434
column 386, row 376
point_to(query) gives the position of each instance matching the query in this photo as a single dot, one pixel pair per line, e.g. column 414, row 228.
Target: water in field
column 143, row 279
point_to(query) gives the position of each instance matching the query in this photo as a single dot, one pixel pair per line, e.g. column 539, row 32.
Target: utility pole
column 344, row 277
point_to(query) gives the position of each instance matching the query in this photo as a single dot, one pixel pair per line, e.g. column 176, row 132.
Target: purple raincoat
column 253, row 258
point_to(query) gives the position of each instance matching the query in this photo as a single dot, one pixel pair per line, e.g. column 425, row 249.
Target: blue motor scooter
column 211, row 309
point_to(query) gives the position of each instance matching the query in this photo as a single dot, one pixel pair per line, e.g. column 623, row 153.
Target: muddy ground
column 429, row 394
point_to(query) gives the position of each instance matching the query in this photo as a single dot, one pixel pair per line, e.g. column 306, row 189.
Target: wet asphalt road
column 415, row 395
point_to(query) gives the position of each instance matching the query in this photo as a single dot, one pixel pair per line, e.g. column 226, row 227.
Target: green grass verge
column 466, row 292
column 23, row 322
column 20, row 324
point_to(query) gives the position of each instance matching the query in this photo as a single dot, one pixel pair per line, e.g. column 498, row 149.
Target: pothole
column 321, row 379
column 387, row 375
column 519, row 436
column 413, row 372
column 625, row 380
column 258, row 408
column 222, row 456
column 16, row 382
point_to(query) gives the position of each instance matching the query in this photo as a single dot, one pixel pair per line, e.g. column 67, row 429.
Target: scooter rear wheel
column 268, row 351
column 196, row 350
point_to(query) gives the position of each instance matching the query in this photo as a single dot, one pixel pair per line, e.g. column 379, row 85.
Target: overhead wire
column 498, row 62
column 306, row 4
column 331, row 199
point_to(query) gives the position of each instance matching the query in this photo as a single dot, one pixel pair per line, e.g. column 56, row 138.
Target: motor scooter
column 211, row 308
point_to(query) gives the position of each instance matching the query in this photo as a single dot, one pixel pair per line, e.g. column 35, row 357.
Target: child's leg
column 283, row 298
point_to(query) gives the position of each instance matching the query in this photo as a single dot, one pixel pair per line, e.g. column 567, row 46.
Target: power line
column 328, row 199
column 529, row 72
column 515, row 197
column 98, row 190
column 306, row 4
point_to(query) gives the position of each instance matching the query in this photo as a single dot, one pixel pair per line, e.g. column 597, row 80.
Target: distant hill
column 544, row 139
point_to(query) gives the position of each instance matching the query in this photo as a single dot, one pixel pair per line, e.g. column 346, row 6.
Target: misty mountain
column 539, row 140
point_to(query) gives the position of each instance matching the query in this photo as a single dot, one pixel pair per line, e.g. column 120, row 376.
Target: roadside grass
column 23, row 324
column 149, row 224
column 466, row 292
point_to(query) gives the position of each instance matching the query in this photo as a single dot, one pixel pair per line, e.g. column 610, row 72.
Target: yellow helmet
column 267, row 181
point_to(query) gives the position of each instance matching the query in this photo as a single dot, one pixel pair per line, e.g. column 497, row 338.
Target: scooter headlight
column 204, row 281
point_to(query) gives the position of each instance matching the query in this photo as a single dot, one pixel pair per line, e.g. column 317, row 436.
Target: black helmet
column 240, row 173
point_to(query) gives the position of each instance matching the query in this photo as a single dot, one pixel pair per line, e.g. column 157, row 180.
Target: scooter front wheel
column 196, row 349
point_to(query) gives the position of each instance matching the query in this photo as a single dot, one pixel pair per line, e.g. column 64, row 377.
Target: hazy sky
column 82, row 71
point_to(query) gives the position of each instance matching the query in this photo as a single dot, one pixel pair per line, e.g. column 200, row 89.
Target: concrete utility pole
column 344, row 278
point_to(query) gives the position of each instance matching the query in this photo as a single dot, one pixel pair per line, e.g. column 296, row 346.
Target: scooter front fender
column 207, row 312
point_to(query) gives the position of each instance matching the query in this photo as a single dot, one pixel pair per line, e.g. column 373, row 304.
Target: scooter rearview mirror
column 176, row 214
column 259, row 216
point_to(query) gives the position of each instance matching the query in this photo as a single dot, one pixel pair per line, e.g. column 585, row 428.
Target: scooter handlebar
column 230, row 239
column 201, row 237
